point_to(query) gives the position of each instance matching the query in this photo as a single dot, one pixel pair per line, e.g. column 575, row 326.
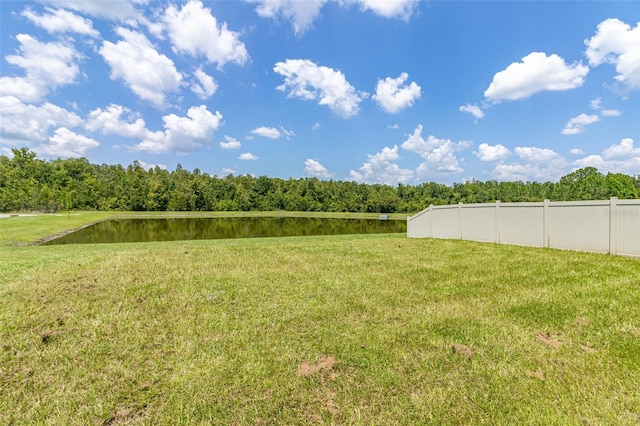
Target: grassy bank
column 375, row 329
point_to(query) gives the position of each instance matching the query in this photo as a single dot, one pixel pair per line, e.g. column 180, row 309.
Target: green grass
column 308, row 330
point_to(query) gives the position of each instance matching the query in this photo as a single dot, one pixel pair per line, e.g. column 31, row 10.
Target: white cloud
column 205, row 86
column 47, row 66
column 401, row 9
column 533, row 154
column 616, row 43
column 230, row 143
column 149, row 74
column 183, row 134
column 576, row 151
column 267, row 132
column 247, row 156
column 576, row 125
column 628, row 165
column 474, row 110
column 610, row 112
column 438, row 153
column 306, row 80
column 194, row 30
column 393, row 126
column 315, row 168
column 393, row 95
column 536, row 73
column 315, row 126
column 623, row 149
column 538, row 164
column 489, row 153
column 25, row 124
column 380, row 168
column 227, row 171
column 109, row 121
column 111, row 9
column 61, row 21
column 300, row 13
column 65, row 143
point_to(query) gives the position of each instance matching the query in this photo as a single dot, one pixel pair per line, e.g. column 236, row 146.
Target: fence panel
column 603, row 226
column 447, row 220
column 479, row 222
column 628, row 229
column 522, row 224
column 583, row 226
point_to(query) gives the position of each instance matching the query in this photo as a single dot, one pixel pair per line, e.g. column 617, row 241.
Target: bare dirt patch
column 324, row 363
column 457, row 348
column 548, row 340
column 587, row 349
column 535, row 374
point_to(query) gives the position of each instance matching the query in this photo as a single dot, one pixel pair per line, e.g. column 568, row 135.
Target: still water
column 144, row 230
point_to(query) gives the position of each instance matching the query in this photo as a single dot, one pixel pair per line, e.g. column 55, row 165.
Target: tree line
column 28, row 183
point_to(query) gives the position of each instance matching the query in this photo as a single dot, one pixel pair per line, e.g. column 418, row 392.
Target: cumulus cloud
column 439, row 154
column 536, row 73
column 194, row 30
column 110, row 121
column 306, row 80
column 65, row 143
column 381, row 168
column 624, row 148
column 272, row 132
column 149, row 74
column 596, row 104
column 536, row 155
column 537, row 164
column 616, row 43
column 61, row 21
column 400, row 9
column 489, row 153
column 230, row 143
column 393, row 95
column 247, row 156
column 576, row 125
column 474, row 110
column 301, row 14
column 618, row 158
column 315, row 168
column 183, row 134
column 204, row 85
column 576, row 151
column 47, row 66
column 24, row 124
column 267, row 132
column 112, row 9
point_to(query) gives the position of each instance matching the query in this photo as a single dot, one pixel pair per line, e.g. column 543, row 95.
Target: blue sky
column 370, row 91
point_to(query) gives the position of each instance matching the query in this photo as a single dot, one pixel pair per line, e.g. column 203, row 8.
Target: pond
column 172, row 229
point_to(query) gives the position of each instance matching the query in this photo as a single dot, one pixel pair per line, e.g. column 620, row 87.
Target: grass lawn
column 374, row 329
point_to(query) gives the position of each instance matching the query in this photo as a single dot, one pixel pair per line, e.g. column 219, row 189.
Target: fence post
column 613, row 225
column 497, row 221
column 545, row 223
column 460, row 220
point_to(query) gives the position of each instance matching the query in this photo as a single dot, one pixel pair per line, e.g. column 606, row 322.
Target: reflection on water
column 143, row 230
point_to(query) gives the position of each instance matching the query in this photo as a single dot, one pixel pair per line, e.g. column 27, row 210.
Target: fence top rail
column 626, row 202
column 631, row 202
column 579, row 203
column 420, row 213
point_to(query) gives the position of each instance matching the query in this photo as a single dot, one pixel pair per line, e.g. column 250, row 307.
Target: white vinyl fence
column 604, row 226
